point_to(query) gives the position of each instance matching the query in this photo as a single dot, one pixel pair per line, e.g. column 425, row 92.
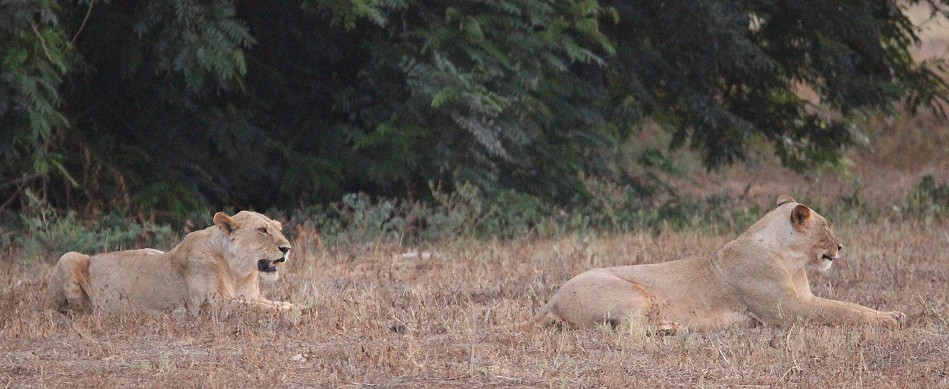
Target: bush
column 467, row 212
column 927, row 199
column 45, row 233
column 511, row 214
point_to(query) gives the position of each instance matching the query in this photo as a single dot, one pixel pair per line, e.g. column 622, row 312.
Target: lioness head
column 254, row 242
column 821, row 243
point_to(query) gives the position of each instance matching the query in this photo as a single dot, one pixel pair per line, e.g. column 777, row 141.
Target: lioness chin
column 757, row 278
column 218, row 265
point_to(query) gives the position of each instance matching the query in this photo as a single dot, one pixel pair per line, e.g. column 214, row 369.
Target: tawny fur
column 219, row 264
column 757, row 278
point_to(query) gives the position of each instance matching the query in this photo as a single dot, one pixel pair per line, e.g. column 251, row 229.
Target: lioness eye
column 262, row 230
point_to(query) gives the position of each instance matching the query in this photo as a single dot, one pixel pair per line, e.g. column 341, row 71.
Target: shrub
column 927, row 198
column 47, row 233
column 511, row 214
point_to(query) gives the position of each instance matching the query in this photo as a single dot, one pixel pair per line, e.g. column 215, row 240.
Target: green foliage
column 366, row 219
column 927, row 198
column 467, row 212
column 718, row 74
column 513, row 214
column 620, row 208
column 200, row 45
column 172, row 106
column 459, row 212
column 45, row 234
column 34, row 58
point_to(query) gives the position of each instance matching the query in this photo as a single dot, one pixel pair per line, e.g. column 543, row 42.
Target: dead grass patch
column 380, row 319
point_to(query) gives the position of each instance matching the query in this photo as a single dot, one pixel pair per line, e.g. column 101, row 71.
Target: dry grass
column 378, row 319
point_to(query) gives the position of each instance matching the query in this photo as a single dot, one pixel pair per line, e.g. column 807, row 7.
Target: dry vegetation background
column 389, row 315
column 381, row 319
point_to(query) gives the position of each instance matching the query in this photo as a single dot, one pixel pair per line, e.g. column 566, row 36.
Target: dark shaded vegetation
column 166, row 108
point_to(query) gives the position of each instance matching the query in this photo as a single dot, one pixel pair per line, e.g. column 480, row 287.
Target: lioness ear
column 225, row 223
column 784, row 199
column 800, row 215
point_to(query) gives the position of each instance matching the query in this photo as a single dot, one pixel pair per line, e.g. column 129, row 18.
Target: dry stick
column 786, row 377
column 721, row 353
column 84, row 20
column 16, row 193
column 10, row 200
column 42, row 42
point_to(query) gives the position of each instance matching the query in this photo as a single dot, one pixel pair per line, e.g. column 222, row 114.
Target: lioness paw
column 282, row 305
column 898, row 317
column 668, row 328
column 893, row 319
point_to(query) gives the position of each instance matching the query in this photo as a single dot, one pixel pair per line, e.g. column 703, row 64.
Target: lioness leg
column 68, row 283
column 838, row 312
column 272, row 305
column 238, row 303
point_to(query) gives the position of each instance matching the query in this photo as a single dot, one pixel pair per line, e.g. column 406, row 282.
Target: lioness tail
column 542, row 319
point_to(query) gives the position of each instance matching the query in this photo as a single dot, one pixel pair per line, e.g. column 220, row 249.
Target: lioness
column 757, row 278
column 218, row 264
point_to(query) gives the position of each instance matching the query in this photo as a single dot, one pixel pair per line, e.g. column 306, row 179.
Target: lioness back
column 135, row 280
column 72, row 288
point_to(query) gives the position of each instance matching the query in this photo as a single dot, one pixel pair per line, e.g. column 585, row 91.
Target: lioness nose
column 840, row 247
column 284, row 249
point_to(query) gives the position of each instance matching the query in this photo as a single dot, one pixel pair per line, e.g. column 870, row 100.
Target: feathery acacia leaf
column 325, row 97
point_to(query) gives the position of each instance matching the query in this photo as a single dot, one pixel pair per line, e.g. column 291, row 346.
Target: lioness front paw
column 900, row 317
column 668, row 328
column 894, row 319
column 283, row 305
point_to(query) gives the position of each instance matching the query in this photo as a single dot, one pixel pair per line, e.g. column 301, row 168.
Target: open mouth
column 267, row 266
column 827, row 257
